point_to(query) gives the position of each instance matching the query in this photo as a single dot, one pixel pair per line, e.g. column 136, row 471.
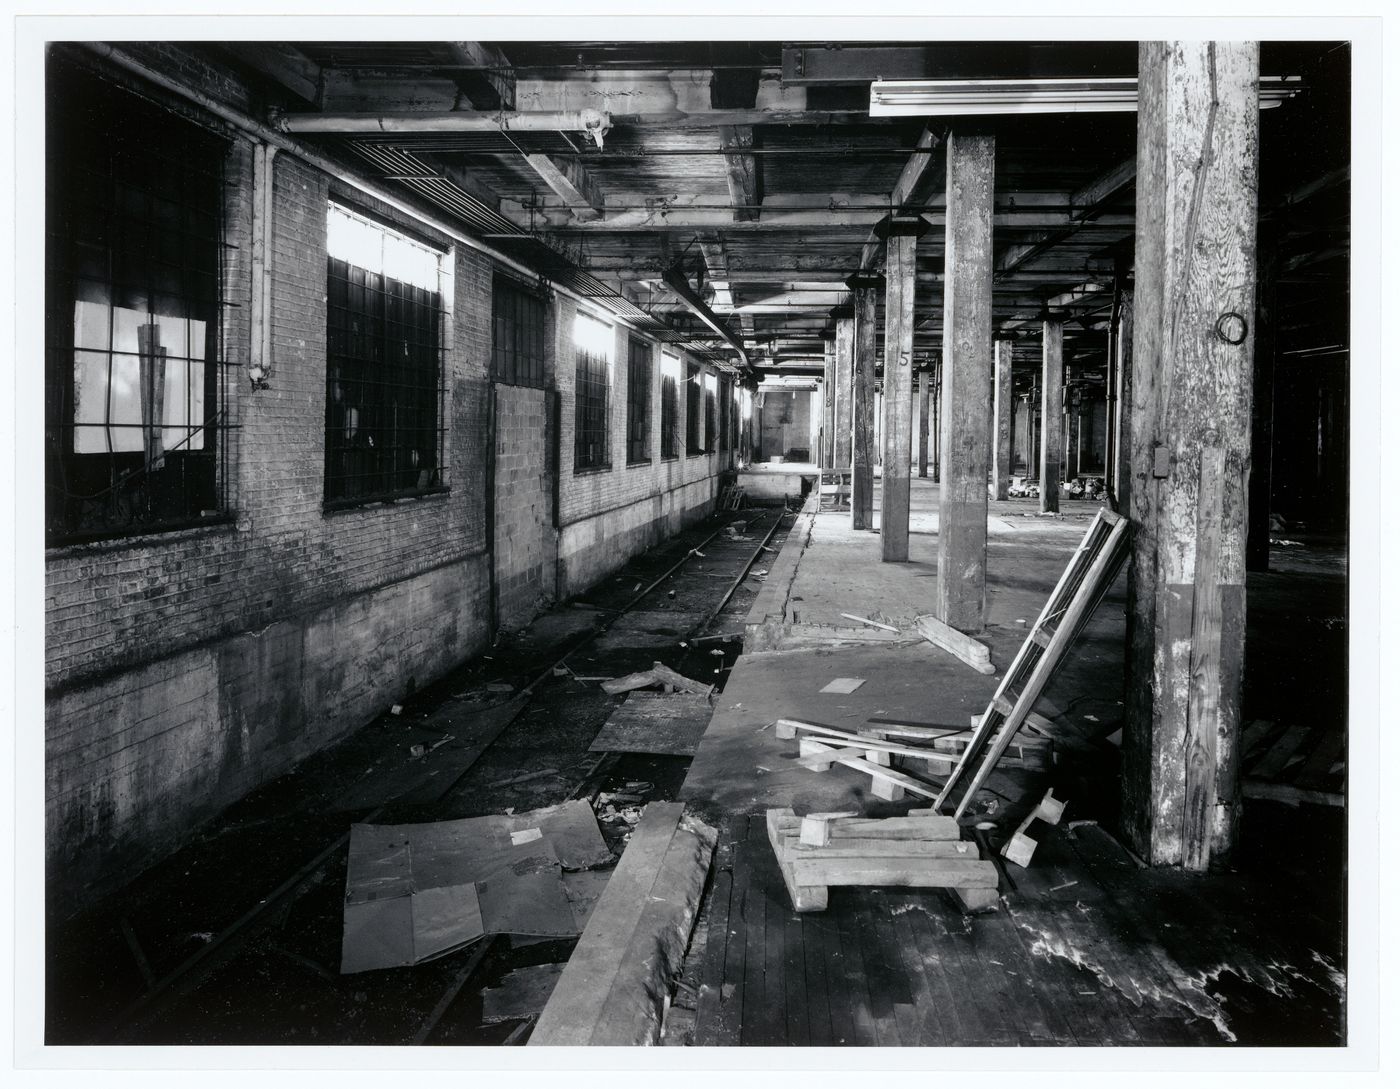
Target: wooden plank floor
column 1060, row 963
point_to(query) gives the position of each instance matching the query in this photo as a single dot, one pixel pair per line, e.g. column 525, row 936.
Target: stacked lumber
column 922, row 850
column 822, row 746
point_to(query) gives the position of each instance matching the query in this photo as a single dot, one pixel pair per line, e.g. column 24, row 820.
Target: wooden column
column 936, row 399
column 864, row 288
column 899, row 386
column 841, row 409
column 1189, row 432
column 965, row 439
column 1073, row 433
column 1001, row 419
column 1261, row 455
column 1052, row 418
column 828, row 404
column 1122, row 453
column 924, row 383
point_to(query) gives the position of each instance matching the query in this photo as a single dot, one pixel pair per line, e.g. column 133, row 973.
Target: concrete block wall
column 608, row 515
column 526, row 545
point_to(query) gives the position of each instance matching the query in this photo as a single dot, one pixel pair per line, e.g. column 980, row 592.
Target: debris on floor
column 658, row 674
column 1020, row 847
column 417, row 891
column 520, row 994
column 650, row 722
column 843, row 686
column 958, row 644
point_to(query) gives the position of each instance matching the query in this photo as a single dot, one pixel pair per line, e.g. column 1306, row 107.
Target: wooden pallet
column 922, row 850
column 1085, row 580
column 834, row 489
column 1293, row 764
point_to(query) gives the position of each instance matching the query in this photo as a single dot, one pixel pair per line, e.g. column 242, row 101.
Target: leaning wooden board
column 615, row 986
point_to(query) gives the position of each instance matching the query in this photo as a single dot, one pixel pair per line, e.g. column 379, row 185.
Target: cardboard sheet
column 418, row 891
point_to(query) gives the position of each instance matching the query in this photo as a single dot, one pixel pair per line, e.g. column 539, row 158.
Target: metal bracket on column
column 896, row 225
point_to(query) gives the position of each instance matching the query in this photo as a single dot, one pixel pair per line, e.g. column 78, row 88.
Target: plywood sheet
column 668, row 725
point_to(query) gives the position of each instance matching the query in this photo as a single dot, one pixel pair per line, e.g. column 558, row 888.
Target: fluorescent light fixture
column 953, row 97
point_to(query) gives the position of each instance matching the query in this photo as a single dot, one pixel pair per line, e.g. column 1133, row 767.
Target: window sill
column 347, row 506
column 592, row 470
column 670, row 457
column 638, row 462
column 224, row 523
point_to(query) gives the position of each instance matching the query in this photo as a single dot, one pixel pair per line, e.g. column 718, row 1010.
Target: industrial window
column 711, row 384
column 638, row 401
column 384, row 391
column 724, row 414
column 135, row 423
column 592, row 363
column 519, row 320
column 693, row 392
column 670, row 403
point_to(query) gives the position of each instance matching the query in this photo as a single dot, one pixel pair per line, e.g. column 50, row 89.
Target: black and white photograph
column 651, row 530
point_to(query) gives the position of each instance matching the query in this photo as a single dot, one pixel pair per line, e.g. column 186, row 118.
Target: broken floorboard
column 1060, row 963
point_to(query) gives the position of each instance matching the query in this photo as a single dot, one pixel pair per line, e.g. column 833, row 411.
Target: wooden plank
column 797, row 1001
column 760, row 892
column 927, row 1029
column 814, row 968
column 709, row 1001
column 812, row 745
column 1289, row 794
column 940, row 976
column 890, row 776
column 801, row 898
column 823, row 940
column 775, row 994
column 961, row 646
column 574, row 1009
column 793, row 848
column 964, row 419
column 883, row 985
column 854, row 982
column 1316, row 772
column 652, row 722
column 904, row 872
column 934, row 826
column 571, row 183
column 898, row 391
column 1272, row 763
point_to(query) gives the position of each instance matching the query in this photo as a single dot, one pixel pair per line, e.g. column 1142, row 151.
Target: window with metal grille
column 592, row 378
column 670, row 404
column 724, row 413
column 710, row 386
column 693, row 395
column 638, row 401
column 384, row 393
column 135, row 386
column 519, row 321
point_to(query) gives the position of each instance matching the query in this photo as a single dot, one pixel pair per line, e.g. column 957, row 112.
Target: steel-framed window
column 670, row 404
column 135, row 383
column 710, row 385
column 592, row 382
column 693, row 400
column 385, row 429
column 638, row 401
column 519, row 322
column 724, row 413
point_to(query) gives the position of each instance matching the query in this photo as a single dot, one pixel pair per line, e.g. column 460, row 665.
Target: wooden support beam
column 898, row 388
column 489, row 81
column 1001, row 420
column 828, row 403
column 924, row 383
column 864, row 296
column 910, row 191
column 1122, row 447
column 1052, row 413
column 1198, row 183
column 742, row 169
column 571, row 182
column 1087, row 204
column 845, row 364
column 284, row 64
column 964, row 420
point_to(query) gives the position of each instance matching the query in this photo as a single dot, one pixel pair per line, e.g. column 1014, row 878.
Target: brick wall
column 184, row 669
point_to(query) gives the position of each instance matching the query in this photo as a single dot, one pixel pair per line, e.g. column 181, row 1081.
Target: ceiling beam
column 283, row 64
column 571, row 183
column 676, row 281
column 489, row 82
column 914, row 181
column 742, row 170
column 1087, row 204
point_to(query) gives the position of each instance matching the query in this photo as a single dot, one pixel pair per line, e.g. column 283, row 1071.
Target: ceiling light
column 943, row 97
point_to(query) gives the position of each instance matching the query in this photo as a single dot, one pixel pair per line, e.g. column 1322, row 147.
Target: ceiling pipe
column 674, row 278
column 593, row 123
